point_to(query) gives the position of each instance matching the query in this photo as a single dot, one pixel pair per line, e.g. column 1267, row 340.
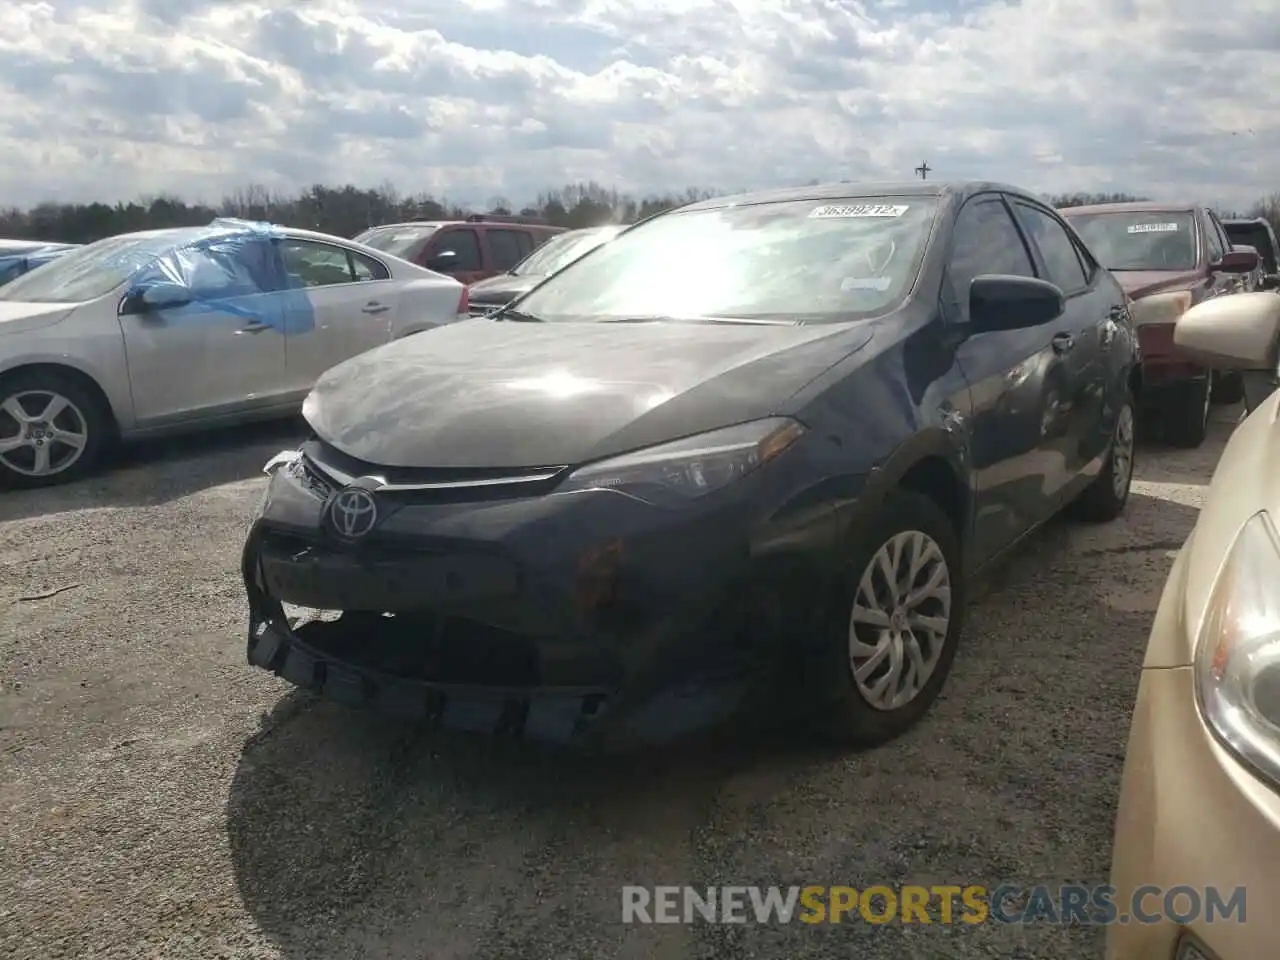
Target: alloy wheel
column 900, row 620
column 42, row 433
column 1122, row 453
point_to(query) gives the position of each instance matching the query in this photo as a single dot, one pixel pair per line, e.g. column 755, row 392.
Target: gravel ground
column 162, row 799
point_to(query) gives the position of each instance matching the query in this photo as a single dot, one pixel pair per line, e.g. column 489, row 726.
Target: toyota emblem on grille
column 353, row 513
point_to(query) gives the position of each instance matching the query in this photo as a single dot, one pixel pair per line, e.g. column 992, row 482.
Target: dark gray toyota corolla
column 755, row 441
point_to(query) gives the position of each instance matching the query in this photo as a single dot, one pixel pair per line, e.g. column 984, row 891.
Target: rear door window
column 313, row 264
column 504, row 247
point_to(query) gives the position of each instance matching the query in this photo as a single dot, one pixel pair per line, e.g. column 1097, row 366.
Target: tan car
column 1200, row 798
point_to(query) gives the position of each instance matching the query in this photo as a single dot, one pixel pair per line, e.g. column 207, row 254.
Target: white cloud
column 108, row 99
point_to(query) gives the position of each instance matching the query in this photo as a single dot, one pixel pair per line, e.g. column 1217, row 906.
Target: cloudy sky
column 471, row 99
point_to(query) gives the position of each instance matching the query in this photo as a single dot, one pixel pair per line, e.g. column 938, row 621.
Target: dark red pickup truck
column 1168, row 257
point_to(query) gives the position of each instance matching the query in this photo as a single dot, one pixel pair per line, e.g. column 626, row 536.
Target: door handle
column 1062, row 342
column 254, row 327
column 374, row 307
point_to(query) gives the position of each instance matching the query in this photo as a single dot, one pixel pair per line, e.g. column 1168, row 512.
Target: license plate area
column 332, row 580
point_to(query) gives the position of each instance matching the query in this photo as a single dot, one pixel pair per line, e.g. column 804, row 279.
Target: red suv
column 1168, row 257
column 479, row 247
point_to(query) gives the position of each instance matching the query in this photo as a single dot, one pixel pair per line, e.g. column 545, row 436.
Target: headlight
column 1160, row 307
column 1237, row 660
column 688, row 468
column 284, row 458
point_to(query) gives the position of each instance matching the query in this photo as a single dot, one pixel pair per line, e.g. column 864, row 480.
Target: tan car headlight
column 1237, row 660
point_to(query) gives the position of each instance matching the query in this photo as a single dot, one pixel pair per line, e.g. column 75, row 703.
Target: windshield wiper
column 746, row 321
column 656, row 318
column 518, row 316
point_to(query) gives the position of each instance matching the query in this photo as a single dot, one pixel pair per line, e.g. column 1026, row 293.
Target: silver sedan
column 172, row 330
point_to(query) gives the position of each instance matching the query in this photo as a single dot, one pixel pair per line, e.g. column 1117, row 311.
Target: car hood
column 501, row 289
column 1143, row 283
column 18, row 317
column 485, row 393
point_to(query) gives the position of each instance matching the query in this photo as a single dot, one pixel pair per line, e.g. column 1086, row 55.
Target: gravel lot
column 162, row 799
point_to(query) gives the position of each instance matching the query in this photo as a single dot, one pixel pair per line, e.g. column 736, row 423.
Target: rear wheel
column 896, row 620
column 1188, row 413
column 52, row 429
column 1104, row 499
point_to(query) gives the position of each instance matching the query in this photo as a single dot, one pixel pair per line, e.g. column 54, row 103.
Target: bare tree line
column 347, row 210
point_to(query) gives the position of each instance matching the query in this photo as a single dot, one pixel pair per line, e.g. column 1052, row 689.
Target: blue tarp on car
column 230, row 266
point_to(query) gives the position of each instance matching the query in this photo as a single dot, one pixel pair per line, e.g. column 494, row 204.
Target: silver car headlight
column 1237, row 661
column 691, row 467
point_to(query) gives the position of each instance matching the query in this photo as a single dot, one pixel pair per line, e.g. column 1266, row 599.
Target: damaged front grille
column 336, row 469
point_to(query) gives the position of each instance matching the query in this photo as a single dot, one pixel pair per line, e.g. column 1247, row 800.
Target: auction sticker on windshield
column 838, row 212
column 878, row 284
column 1153, row 228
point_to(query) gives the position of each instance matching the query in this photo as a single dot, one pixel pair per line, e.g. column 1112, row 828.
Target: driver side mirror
column 1236, row 332
column 998, row 302
column 154, row 298
column 1237, row 261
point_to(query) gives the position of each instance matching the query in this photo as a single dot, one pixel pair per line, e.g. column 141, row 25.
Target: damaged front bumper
column 601, row 621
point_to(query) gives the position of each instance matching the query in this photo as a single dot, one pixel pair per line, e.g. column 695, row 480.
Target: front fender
column 101, row 360
column 847, row 502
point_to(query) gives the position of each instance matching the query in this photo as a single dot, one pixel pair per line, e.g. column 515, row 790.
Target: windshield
column 92, row 271
column 397, row 240
column 1139, row 241
column 562, row 250
column 807, row 260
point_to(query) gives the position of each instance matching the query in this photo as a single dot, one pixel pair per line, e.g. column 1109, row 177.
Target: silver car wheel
column 900, row 620
column 1122, row 453
column 42, row 433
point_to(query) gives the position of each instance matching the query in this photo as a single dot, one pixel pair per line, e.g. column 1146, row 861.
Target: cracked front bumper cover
column 324, row 657
column 558, row 715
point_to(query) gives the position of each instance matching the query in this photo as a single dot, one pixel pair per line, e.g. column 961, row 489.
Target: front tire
column 1228, row 388
column 1105, row 498
column 1188, row 418
column 895, row 621
column 52, row 429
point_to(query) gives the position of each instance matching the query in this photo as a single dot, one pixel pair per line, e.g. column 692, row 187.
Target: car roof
column 410, row 224
column 290, row 231
column 960, row 189
column 147, row 234
column 312, row 235
column 1247, row 222
column 1136, row 206
column 406, row 224
column 579, row 231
